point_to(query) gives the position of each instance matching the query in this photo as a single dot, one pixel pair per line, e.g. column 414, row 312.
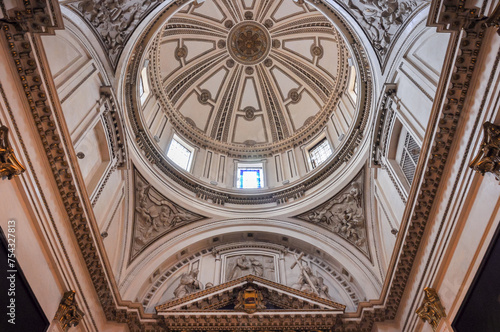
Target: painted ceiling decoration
column 154, row 216
column 244, row 73
column 343, row 214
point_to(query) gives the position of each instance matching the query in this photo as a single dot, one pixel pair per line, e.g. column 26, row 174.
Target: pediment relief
column 343, row 214
column 250, row 294
column 155, row 215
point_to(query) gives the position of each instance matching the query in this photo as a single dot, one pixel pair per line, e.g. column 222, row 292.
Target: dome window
column 250, row 176
column 319, row 153
column 180, row 153
column 144, row 83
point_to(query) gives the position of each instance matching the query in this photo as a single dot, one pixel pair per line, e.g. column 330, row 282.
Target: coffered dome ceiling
column 247, row 76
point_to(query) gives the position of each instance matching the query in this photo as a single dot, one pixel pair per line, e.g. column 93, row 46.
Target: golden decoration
column 68, row 314
column 250, row 300
column 431, row 309
column 9, row 165
column 488, row 158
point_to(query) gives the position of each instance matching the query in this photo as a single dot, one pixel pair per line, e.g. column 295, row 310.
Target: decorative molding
column 68, row 314
column 343, row 214
column 9, row 164
column 488, row 157
column 431, row 309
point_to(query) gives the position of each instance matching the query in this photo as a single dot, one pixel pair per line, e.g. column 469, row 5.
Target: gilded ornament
column 250, row 300
column 68, row 314
column 9, row 165
column 488, row 157
column 431, row 309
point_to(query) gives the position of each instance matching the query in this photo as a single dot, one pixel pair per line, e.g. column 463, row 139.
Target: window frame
column 184, row 144
column 241, row 165
column 307, row 150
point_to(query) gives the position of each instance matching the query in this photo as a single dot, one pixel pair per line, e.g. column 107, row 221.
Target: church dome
column 275, row 84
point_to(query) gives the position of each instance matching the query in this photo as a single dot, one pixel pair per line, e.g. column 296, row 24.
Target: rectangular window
column 320, row 153
column 409, row 157
column 143, row 83
column 250, row 176
column 180, row 153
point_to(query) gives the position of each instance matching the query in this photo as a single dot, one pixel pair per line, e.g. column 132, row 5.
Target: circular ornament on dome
column 276, row 43
column 269, row 23
column 204, row 96
column 249, row 113
column 248, row 15
column 221, row 43
column 230, row 63
column 248, row 43
column 294, row 96
column 180, row 52
column 268, row 62
column 228, row 24
column 249, row 70
column 317, row 51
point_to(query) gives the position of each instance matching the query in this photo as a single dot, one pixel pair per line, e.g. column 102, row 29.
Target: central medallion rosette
column 249, row 43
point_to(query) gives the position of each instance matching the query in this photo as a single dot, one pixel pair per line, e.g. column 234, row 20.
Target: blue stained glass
column 250, row 178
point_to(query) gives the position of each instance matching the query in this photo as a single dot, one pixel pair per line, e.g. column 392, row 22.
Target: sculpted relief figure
column 115, row 20
column 244, row 266
column 381, row 18
column 156, row 215
column 342, row 215
column 308, row 282
column 188, row 284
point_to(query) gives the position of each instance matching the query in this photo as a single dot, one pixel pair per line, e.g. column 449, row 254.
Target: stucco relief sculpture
column 488, row 158
column 381, row 19
column 244, row 265
column 155, row 215
column 9, row 165
column 188, row 284
column 431, row 309
column 343, row 214
column 114, row 20
column 308, row 282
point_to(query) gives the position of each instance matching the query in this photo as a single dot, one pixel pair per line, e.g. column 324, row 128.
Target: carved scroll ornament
column 431, row 309
column 9, row 165
column 488, row 158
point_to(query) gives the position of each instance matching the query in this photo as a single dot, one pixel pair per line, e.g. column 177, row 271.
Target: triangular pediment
column 250, row 294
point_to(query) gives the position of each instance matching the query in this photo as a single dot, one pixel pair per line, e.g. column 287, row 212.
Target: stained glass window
column 319, row 153
column 250, row 177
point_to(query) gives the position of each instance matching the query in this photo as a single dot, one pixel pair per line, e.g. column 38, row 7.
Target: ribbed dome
column 247, row 76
